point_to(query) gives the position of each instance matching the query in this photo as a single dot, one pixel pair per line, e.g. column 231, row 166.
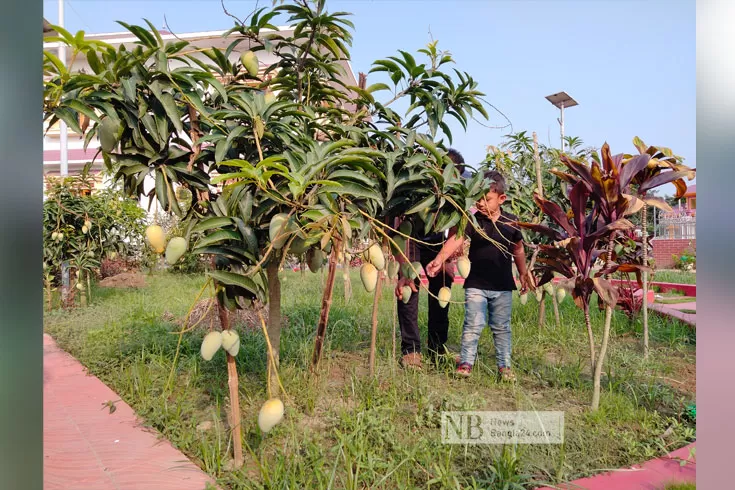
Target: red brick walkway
column 652, row 475
column 87, row 448
column 668, row 310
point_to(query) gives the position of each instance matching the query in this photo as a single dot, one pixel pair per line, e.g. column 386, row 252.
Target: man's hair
column 457, row 159
column 497, row 183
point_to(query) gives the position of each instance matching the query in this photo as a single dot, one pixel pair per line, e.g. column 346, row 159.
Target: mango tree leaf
column 233, row 279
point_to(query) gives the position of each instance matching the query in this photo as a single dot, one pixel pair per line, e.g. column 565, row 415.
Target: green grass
column 690, row 312
column 672, row 300
column 681, row 486
column 675, row 276
column 344, row 429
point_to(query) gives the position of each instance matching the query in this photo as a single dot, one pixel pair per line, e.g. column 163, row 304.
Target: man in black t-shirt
column 490, row 285
column 438, row 318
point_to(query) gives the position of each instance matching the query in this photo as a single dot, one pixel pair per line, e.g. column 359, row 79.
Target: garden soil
column 124, row 280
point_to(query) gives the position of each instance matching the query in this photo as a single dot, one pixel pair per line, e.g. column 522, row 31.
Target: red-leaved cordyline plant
column 580, row 236
column 629, row 249
column 622, row 186
column 608, row 184
column 663, row 167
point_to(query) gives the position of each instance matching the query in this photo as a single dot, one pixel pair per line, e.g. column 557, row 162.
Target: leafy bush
column 687, row 261
column 83, row 227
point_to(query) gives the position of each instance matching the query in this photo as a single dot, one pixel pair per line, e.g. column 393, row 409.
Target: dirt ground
column 124, row 280
column 204, row 314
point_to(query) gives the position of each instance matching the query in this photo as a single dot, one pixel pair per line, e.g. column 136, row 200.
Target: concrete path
column 85, row 447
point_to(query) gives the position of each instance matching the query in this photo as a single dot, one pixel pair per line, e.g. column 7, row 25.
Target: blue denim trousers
column 484, row 307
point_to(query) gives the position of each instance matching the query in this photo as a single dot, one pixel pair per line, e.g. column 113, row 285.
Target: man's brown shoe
column 411, row 360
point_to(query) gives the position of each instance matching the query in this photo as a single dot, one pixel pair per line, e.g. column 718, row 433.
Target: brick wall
column 663, row 249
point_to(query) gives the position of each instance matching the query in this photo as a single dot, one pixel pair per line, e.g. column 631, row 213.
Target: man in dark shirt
column 490, row 285
column 438, row 318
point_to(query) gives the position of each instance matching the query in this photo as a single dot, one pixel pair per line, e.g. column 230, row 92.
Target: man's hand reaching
column 404, row 281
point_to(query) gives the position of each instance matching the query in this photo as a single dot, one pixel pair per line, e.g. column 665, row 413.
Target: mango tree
column 175, row 124
column 81, row 228
column 273, row 161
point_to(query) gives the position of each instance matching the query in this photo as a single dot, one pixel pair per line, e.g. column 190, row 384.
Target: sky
column 630, row 64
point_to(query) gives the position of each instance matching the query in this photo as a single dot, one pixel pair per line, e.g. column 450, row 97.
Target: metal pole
column 63, row 162
column 561, row 123
column 64, row 166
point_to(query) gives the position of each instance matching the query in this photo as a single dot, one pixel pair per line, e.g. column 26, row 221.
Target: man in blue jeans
column 490, row 284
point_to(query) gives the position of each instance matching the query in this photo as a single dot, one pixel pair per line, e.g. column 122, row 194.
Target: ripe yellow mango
column 211, row 344
column 231, row 342
column 445, row 294
column 175, row 249
column 406, row 293
column 524, row 298
column 369, row 277
column 463, row 267
column 539, row 294
column 561, row 293
column 375, row 256
column 156, row 238
column 278, row 230
column 250, row 62
column 393, row 267
column 271, row 413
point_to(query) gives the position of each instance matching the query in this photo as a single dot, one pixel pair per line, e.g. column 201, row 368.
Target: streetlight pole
column 63, row 160
column 63, row 155
column 561, row 124
column 561, row 100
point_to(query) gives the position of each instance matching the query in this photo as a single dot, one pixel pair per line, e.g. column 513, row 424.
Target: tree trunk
column 274, row 320
column 555, row 304
column 540, row 192
column 321, row 328
column 49, row 297
column 537, row 162
column 374, row 334
column 82, row 292
column 542, row 311
column 395, row 320
column 644, row 225
column 234, row 385
column 590, row 335
column 346, row 279
column 601, row 359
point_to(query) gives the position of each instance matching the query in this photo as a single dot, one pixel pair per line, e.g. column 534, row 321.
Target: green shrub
column 687, row 261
